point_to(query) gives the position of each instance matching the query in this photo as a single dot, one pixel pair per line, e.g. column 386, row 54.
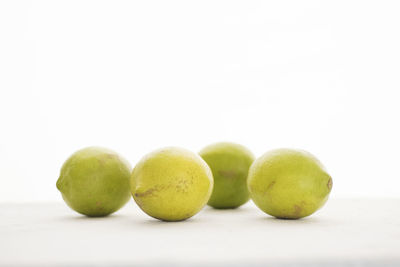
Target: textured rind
column 171, row 184
column 94, row 181
column 230, row 164
column 289, row 184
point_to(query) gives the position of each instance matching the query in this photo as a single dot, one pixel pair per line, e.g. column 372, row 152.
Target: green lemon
column 94, row 181
column 171, row 184
column 289, row 184
column 230, row 165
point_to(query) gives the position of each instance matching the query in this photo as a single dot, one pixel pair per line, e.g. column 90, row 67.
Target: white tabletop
column 361, row 232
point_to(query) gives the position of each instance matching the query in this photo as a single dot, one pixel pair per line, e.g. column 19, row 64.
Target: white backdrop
column 134, row 76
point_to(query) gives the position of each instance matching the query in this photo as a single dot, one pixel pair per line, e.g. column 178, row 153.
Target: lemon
column 94, row 181
column 230, row 165
column 171, row 184
column 289, row 184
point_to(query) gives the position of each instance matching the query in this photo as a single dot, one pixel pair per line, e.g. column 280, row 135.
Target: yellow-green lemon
column 171, row 184
column 230, row 165
column 289, row 184
column 94, row 181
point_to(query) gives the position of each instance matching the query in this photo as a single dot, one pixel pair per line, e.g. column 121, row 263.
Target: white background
column 134, row 76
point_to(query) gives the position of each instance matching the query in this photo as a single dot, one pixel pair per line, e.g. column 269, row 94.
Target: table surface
column 346, row 232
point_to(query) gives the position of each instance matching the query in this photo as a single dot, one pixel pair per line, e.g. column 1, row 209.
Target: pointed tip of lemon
column 329, row 185
column 59, row 184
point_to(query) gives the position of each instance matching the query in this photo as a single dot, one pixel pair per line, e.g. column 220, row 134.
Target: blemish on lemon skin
column 151, row 191
column 297, row 210
column 227, row 174
column 271, row 185
column 147, row 192
column 183, row 185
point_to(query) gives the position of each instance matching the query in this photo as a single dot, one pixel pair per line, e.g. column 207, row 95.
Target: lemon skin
column 94, row 181
column 289, row 184
column 230, row 165
column 171, row 184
